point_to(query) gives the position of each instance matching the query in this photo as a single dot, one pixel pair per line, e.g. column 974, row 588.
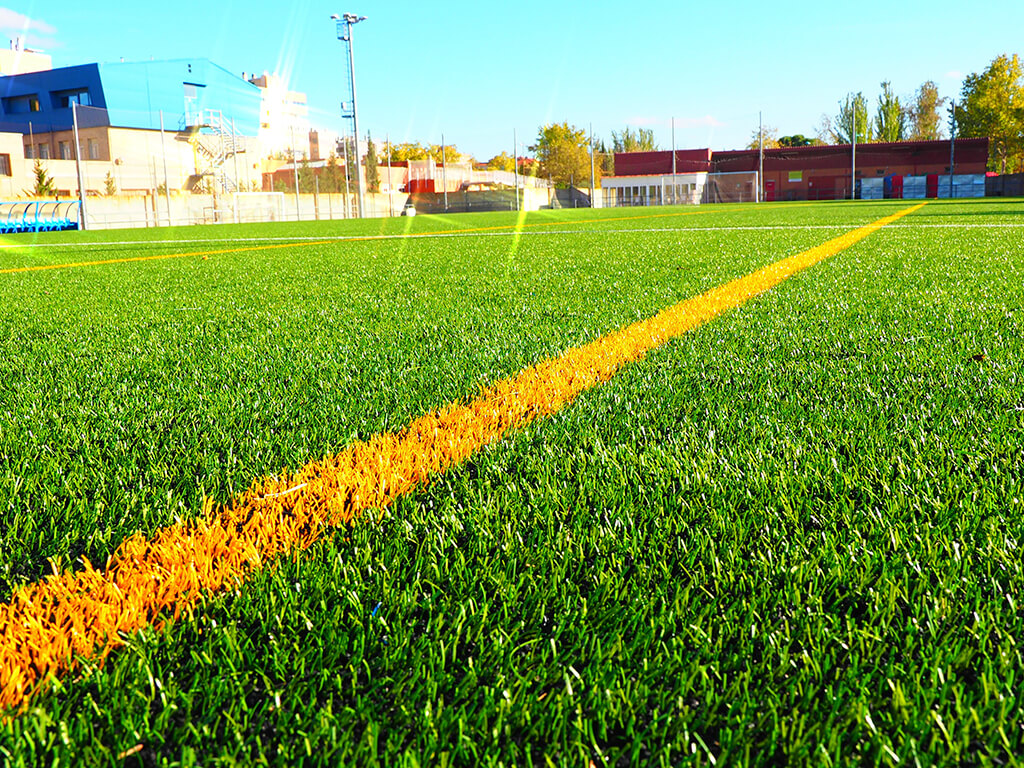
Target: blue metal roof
column 128, row 95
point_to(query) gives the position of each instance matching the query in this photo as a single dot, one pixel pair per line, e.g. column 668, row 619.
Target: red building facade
column 821, row 172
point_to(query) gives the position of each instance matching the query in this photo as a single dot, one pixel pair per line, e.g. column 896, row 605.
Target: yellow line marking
column 47, row 626
column 357, row 238
column 307, row 243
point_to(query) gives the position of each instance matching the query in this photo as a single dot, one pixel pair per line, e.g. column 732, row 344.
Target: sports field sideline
column 790, row 532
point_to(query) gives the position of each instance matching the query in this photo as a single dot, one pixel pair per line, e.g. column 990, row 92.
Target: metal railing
column 39, row 216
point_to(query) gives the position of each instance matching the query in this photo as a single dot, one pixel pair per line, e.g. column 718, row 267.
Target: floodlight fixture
column 344, row 24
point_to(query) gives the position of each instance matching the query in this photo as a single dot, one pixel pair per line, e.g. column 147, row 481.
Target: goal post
column 733, row 187
column 258, row 206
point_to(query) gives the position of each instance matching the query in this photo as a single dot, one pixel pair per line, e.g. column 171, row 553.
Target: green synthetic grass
column 791, row 537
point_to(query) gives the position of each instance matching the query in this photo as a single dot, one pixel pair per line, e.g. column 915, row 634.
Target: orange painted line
column 363, row 238
column 49, row 625
column 307, row 243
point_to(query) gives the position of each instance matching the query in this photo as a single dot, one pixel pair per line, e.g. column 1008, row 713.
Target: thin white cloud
column 709, row 120
column 12, row 21
column 641, row 122
column 955, row 74
column 681, row 122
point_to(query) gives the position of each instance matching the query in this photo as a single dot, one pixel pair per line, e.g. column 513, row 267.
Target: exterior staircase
column 214, row 147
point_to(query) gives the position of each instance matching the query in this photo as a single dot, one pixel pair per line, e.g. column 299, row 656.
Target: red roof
column 926, row 154
column 648, row 163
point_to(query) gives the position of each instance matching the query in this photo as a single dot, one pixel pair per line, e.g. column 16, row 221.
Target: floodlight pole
column 78, row 162
column 344, row 31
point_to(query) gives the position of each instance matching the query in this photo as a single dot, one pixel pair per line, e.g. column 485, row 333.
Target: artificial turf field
column 789, row 536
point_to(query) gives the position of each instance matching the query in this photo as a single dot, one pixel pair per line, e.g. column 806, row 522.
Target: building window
column 19, row 105
column 94, row 149
column 30, row 152
column 64, row 99
column 65, row 150
column 44, row 151
column 5, row 165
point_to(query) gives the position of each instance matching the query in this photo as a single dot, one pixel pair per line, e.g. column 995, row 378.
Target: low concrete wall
column 151, row 209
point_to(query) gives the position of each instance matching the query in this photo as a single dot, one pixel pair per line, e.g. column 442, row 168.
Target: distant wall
column 150, row 210
column 1006, row 185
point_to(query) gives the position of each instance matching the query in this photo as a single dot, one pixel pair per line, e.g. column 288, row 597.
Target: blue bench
column 40, row 216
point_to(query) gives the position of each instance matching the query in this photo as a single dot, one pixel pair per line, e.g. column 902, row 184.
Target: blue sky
column 477, row 69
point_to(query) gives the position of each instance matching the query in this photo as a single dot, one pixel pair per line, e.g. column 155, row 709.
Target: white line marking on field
column 511, row 232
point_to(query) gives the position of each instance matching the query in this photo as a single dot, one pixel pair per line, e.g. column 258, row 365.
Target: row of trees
column 991, row 105
column 563, row 153
column 916, row 119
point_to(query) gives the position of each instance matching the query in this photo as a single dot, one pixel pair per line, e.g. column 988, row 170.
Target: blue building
column 128, row 95
column 209, row 116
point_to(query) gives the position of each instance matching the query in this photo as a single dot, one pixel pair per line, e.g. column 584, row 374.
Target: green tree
column 992, row 105
column 502, row 162
column 854, row 108
column 450, row 154
column 333, row 177
column 307, row 177
column 768, row 134
column 604, row 160
column 372, row 173
column 109, row 185
column 924, row 116
column 563, row 153
column 347, row 150
column 797, row 140
column 405, row 151
column 890, row 117
column 640, row 140
column 44, row 186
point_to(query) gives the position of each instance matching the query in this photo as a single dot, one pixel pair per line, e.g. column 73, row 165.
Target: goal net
column 259, row 206
column 736, row 187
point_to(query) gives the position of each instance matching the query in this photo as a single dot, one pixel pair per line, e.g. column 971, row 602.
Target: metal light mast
column 350, row 111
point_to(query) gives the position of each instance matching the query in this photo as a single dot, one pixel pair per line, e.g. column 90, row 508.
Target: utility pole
column 344, row 30
column 853, row 155
column 167, row 186
column 444, row 175
column 348, row 201
column 591, row 165
column 952, row 143
column 675, row 185
column 760, row 158
column 391, row 190
column 295, row 171
column 234, row 157
column 515, row 164
column 78, row 162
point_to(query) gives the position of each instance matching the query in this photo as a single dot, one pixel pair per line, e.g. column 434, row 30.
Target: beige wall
column 134, row 158
column 14, row 185
column 17, row 61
